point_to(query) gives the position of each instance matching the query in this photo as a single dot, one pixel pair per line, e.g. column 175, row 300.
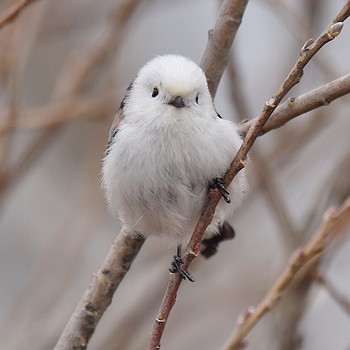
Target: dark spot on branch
column 90, row 307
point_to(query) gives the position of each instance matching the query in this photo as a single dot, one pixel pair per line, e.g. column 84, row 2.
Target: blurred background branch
column 10, row 14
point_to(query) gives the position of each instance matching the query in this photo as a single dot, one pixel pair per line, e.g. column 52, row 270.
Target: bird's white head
column 171, row 83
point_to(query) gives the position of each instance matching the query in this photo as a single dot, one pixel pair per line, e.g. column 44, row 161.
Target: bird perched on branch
column 166, row 147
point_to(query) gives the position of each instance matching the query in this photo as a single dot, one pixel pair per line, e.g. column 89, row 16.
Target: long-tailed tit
column 167, row 145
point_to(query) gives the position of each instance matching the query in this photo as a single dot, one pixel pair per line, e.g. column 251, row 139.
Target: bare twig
column 238, row 163
column 98, row 296
column 262, row 170
column 10, row 14
column 295, row 107
column 314, row 248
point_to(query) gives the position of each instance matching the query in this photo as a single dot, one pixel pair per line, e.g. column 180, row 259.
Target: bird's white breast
column 158, row 170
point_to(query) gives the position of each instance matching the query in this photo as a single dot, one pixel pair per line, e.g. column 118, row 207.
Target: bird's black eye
column 155, row 92
column 197, row 99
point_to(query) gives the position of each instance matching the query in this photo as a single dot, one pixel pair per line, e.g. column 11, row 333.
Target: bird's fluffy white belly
column 156, row 178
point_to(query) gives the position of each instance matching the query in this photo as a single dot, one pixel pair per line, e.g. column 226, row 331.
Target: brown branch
column 238, row 163
column 294, row 107
column 98, row 296
column 11, row 13
column 313, row 249
column 220, row 39
column 262, row 171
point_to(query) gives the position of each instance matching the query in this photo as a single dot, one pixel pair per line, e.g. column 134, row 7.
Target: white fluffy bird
column 167, row 145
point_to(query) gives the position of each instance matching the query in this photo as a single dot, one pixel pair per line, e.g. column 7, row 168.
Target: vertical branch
column 220, row 39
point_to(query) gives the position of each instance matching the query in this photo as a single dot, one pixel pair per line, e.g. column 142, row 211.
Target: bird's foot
column 176, row 266
column 219, row 184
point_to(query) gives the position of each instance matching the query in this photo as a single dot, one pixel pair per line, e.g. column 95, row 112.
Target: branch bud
column 334, row 30
column 245, row 315
column 307, row 44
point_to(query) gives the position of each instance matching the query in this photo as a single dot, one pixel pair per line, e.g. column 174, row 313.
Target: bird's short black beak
column 177, row 102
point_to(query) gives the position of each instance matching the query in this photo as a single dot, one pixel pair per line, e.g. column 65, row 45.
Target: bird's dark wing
column 117, row 119
column 114, row 129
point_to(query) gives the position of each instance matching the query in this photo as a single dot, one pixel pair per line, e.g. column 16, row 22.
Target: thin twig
column 294, row 107
column 314, row 248
column 262, row 170
column 10, row 14
column 238, row 163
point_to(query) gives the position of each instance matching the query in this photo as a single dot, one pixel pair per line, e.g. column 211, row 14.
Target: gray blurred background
column 64, row 67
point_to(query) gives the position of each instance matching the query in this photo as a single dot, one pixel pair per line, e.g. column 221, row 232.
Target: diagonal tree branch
column 310, row 48
column 98, row 296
